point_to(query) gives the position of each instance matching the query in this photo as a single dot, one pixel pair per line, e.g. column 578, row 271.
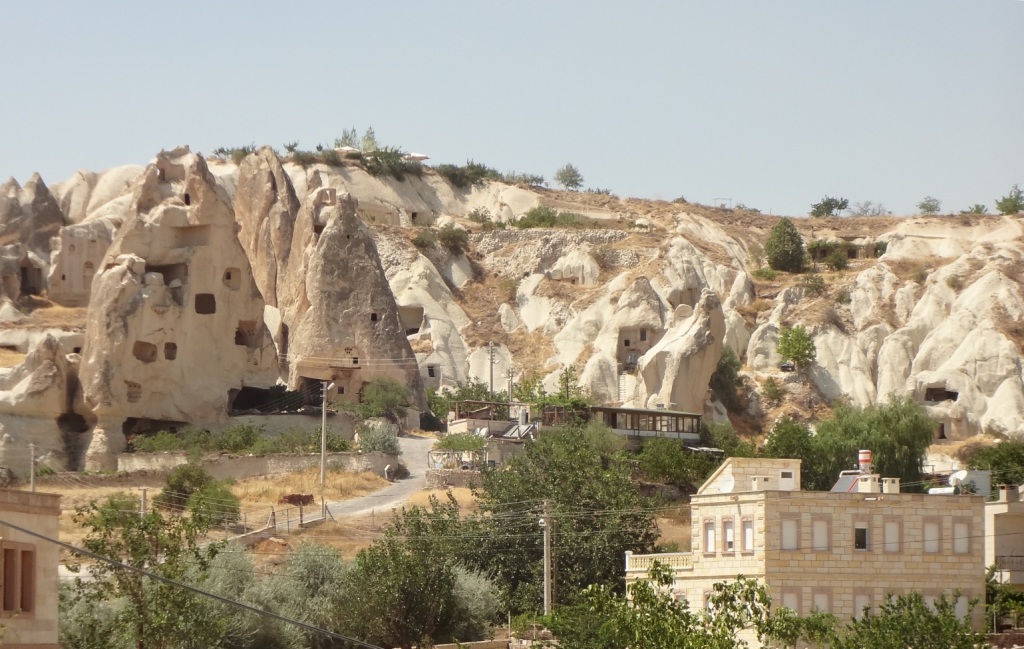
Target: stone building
column 837, row 552
column 1004, row 537
column 28, row 581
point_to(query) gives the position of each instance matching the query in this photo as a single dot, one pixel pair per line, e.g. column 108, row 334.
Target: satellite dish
column 957, row 478
column 726, row 484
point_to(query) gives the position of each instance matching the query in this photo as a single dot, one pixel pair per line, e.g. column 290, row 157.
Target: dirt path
column 414, row 456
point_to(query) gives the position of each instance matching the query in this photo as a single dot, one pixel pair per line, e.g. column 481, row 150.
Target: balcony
column 1010, row 563
column 641, row 563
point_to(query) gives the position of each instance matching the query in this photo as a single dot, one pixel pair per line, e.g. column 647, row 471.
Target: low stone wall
column 1006, row 640
column 482, row 644
column 441, row 478
column 222, row 467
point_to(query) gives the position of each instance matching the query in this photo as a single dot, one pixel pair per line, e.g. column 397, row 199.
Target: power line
column 198, row 591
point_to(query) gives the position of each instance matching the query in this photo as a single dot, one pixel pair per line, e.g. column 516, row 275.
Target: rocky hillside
column 139, row 296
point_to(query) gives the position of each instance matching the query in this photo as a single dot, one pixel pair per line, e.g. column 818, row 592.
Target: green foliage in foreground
column 796, row 345
column 244, row 439
column 652, row 618
column 461, row 442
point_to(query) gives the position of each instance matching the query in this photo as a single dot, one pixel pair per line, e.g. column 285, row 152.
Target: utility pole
column 510, row 401
column 490, row 367
column 323, row 435
column 546, row 524
column 142, row 508
column 32, row 466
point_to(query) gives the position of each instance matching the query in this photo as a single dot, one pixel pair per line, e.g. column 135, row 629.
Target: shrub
column 600, row 190
column 516, row 178
column 181, row 483
column 837, row 261
column 785, row 247
column 929, row 205
column 238, row 438
column 388, row 161
column 1012, row 203
column 813, row 284
column 215, row 503
column 920, row 275
column 303, row 158
column 772, row 390
column 843, row 296
column 379, row 438
column 425, row 239
column 237, row 154
column 955, row 282
column 454, row 239
column 546, row 217
column 881, row 247
column 472, row 173
column 679, row 200
column 461, row 442
column 977, row 208
column 766, row 274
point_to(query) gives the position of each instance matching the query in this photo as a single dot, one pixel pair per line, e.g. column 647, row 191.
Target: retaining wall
column 222, row 467
column 441, row 478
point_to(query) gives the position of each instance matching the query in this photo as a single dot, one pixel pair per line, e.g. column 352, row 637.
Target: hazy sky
column 772, row 104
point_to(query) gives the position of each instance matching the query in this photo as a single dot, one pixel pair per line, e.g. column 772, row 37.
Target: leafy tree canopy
column 829, row 206
column 569, row 177
column 1012, row 203
column 784, row 249
column 929, row 205
column 796, row 345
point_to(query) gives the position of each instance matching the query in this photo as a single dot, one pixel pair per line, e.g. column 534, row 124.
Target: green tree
column 784, row 249
column 148, row 614
column 898, row 432
column 348, row 138
column 369, row 141
column 1012, row 203
column 667, row 460
column 796, row 345
column 829, row 206
column 562, row 468
column 929, row 205
column 907, row 621
column 381, row 397
column 1005, row 460
column 789, row 439
column 454, row 239
column 407, row 580
column 722, row 436
column 569, row 177
column 725, row 379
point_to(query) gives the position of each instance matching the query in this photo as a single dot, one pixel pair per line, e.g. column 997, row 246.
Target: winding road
column 414, row 457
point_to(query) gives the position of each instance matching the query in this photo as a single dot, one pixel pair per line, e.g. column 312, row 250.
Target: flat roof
column 645, row 411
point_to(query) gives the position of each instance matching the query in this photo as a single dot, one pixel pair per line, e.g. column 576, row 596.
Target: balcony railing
column 1010, row 563
column 643, row 562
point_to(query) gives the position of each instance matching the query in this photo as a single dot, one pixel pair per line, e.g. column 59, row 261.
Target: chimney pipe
column 1008, row 493
column 864, row 461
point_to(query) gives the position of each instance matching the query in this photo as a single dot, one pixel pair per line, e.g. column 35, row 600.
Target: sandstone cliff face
column 175, row 320
column 338, row 317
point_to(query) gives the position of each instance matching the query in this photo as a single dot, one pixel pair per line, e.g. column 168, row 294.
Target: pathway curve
column 414, row 457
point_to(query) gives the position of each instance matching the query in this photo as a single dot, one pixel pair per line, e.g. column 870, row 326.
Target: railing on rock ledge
column 643, row 562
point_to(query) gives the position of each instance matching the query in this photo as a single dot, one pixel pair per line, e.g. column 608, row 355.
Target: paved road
column 414, row 457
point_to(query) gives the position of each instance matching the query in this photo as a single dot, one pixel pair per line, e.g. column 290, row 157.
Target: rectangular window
column 860, row 536
column 861, row 601
column 728, row 542
column 822, row 602
column 961, row 607
column 791, row 600
column 821, row 534
column 748, row 535
column 643, row 335
column 790, row 534
column 709, row 537
column 892, row 536
column 961, row 538
column 19, row 578
column 931, row 537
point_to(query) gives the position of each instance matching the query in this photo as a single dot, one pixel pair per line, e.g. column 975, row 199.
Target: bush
column 785, row 248
column 929, row 205
column 215, row 503
column 813, row 284
column 379, row 438
column 389, row 161
column 237, row 154
column 666, row 460
column 881, row 247
column 955, row 282
column 472, row 173
column 303, row 158
column 772, row 390
column 546, row 217
column 461, row 442
column 766, row 274
column 425, row 239
column 837, row 261
column 181, row 483
column 1012, row 203
column 381, row 397
column 843, row 296
column 453, row 239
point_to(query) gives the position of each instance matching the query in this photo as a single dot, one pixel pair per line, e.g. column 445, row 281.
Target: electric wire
column 198, row 591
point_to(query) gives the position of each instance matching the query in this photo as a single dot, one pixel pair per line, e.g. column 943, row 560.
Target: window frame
column 925, row 523
column 825, row 591
column 795, row 520
column 21, row 592
column 744, row 549
column 708, row 543
column 966, row 522
column 866, row 526
column 827, row 520
column 886, row 522
column 731, row 522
